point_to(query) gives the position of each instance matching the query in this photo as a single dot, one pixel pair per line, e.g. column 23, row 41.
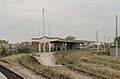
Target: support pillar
column 44, row 49
column 62, row 46
column 50, row 47
column 39, row 47
column 65, row 46
column 56, row 47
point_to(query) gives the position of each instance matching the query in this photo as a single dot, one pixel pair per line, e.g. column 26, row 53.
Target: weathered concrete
column 46, row 59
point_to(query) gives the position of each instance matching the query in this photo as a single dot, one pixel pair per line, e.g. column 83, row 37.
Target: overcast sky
column 20, row 19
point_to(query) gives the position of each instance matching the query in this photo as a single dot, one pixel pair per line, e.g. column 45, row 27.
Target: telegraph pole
column 116, row 18
column 43, row 11
column 49, row 30
column 104, row 42
column 97, row 36
column 97, row 41
column 39, row 32
column 39, row 41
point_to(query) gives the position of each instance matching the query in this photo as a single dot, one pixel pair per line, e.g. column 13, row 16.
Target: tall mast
column 39, row 32
column 116, row 18
column 97, row 41
column 104, row 43
column 97, row 36
column 49, row 30
column 43, row 11
column 116, row 25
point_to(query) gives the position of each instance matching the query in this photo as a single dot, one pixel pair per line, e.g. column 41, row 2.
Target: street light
column 97, row 41
column 116, row 19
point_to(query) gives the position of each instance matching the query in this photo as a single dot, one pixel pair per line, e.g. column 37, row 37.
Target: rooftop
column 53, row 39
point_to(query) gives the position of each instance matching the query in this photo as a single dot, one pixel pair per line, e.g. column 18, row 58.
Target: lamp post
column 97, row 41
column 116, row 19
column 49, row 30
column 104, row 43
column 43, row 11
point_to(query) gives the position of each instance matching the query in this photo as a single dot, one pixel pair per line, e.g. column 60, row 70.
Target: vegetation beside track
column 101, row 66
column 31, row 63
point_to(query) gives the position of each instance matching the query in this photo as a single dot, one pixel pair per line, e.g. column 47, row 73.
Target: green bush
column 6, row 52
column 23, row 50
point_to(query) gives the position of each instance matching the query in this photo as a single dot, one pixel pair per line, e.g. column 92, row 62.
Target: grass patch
column 89, row 62
column 12, row 58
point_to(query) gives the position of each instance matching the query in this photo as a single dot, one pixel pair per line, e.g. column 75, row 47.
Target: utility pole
column 97, row 36
column 97, row 41
column 49, row 30
column 104, row 42
column 116, row 18
column 39, row 32
column 44, row 44
column 39, row 41
column 43, row 11
column 109, row 42
column 108, row 39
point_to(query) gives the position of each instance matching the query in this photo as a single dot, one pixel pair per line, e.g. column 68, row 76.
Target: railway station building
column 50, row 44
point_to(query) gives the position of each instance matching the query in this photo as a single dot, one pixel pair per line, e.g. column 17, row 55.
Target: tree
column 5, row 52
column 118, row 39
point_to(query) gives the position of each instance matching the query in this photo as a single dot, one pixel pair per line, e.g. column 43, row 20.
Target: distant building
column 26, row 44
column 94, row 45
column 4, row 43
column 14, row 46
column 48, row 44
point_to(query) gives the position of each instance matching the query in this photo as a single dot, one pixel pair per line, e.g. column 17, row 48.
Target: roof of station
column 57, row 39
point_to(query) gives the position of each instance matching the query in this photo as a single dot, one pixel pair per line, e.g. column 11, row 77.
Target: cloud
column 20, row 19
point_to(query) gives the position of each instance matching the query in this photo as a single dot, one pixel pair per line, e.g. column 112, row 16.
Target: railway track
column 12, row 71
column 9, row 74
column 87, row 73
